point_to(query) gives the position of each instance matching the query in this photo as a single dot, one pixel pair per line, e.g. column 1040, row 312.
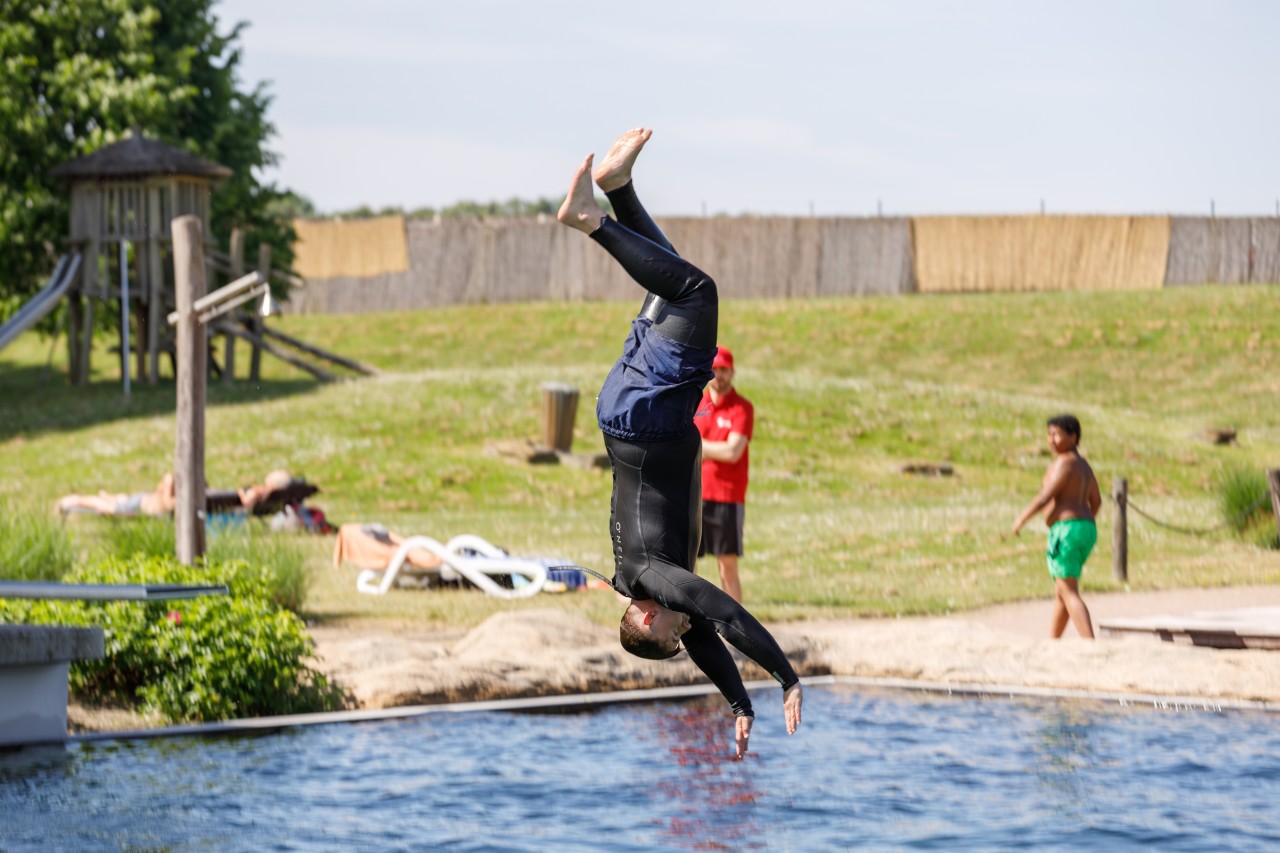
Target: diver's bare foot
column 579, row 209
column 615, row 171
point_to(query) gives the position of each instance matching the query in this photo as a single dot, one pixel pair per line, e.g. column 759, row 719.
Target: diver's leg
column 613, row 175
column 579, row 209
column 692, row 313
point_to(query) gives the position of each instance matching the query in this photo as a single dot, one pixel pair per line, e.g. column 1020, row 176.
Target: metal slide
column 44, row 301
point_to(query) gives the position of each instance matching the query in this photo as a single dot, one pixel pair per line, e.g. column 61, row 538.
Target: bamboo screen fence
column 1004, row 253
column 451, row 261
column 329, row 248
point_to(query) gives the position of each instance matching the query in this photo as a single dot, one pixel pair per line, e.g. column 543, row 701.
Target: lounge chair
column 388, row 559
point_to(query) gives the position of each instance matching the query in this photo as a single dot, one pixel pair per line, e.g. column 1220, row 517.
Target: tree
column 79, row 74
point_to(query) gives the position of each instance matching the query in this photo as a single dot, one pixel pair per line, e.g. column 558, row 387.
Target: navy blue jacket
column 654, row 388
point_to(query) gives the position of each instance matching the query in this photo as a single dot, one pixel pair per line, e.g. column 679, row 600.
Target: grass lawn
column 846, row 391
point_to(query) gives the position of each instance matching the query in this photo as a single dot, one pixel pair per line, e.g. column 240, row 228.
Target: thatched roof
column 136, row 157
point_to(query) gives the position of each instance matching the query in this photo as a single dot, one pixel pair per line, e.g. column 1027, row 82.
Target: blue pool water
column 879, row 770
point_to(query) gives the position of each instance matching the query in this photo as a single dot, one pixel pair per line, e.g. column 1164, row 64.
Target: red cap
column 723, row 358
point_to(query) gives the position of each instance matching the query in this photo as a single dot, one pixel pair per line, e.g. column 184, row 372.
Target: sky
column 777, row 107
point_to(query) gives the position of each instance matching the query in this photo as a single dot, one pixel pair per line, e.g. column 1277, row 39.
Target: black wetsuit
column 646, row 410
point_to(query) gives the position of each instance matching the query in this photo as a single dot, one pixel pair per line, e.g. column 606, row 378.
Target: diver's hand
column 792, row 698
column 741, row 732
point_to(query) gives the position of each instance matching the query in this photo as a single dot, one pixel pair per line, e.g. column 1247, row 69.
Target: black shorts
column 721, row 528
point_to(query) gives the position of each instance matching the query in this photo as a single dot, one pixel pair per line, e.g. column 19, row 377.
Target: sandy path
column 548, row 652
column 1031, row 619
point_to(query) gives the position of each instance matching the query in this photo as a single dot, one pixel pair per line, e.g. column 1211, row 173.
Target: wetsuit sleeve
column 714, row 611
column 711, row 656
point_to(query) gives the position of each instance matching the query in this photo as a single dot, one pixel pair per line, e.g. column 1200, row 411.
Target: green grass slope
column 846, row 392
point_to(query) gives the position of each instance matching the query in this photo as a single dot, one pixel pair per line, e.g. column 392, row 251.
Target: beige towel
column 370, row 551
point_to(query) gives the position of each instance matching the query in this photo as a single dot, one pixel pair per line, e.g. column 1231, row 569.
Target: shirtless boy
column 1070, row 499
column 646, row 410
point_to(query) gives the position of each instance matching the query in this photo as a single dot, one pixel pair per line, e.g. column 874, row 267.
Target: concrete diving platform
column 34, row 661
column 1246, row 628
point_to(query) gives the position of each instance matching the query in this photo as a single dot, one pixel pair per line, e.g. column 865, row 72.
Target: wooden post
column 236, row 252
column 192, row 376
column 264, row 269
column 1120, row 531
column 559, row 406
column 1273, row 481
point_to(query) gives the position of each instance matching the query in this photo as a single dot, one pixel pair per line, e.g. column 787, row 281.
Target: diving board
column 105, row 591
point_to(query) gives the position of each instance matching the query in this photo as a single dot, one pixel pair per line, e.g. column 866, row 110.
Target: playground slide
column 44, row 301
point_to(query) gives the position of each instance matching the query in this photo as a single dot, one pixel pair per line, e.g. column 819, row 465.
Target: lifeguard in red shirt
column 725, row 419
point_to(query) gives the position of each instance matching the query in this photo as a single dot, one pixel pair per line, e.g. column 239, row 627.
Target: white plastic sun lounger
column 466, row 556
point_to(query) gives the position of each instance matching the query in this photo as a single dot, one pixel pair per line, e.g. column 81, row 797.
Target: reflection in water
column 713, row 794
column 20, row 765
column 1065, row 755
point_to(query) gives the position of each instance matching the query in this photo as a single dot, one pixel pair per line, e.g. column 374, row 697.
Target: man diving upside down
column 646, row 409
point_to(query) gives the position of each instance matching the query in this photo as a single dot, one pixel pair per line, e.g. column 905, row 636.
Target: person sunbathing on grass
column 251, row 496
column 646, row 409
column 163, row 498
column 159, row 501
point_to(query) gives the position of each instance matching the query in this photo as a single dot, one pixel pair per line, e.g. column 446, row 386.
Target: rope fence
column 1120, row 532
column 1202, row 531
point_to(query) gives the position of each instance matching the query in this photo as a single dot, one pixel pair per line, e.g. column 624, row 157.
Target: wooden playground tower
column 123, row 198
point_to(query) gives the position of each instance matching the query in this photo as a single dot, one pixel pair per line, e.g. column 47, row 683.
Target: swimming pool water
column 879, row 770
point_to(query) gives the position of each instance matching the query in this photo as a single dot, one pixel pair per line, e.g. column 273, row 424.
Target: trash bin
column 559, row 408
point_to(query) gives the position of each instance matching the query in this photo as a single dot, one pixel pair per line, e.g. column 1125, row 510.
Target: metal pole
column 255, row 356
column 125, row 349
column 192, row 376
column 229, row 340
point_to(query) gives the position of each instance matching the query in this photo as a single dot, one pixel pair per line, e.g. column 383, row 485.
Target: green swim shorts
column 1070, row 544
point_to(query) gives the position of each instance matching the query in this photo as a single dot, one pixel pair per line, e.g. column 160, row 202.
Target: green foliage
column 77, row 76
column 33, row 546
column 209, row 658
column 289, row 206
column 1244, row 499
column 512, row 207
column 1243, row 496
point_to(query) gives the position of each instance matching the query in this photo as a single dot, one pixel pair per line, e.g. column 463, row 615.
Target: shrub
column 209, row 658
column 33, row 546
column 1243, row 496
column 1245, row 501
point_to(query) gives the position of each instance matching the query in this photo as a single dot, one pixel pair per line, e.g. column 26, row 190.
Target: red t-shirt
column 725, row 482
